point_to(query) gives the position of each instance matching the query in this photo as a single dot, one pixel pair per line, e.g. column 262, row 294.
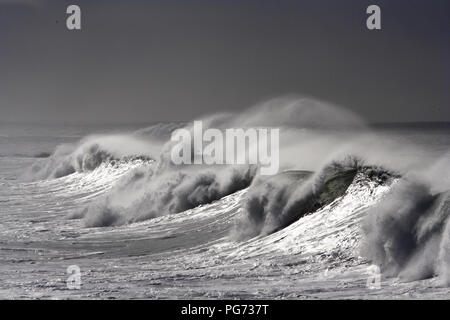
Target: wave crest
column 88, row 154
column 274, row 203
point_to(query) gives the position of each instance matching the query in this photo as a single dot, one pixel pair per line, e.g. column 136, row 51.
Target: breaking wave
column 90, row 153
column 274, row 203
column 146, row 194
column 406, row 232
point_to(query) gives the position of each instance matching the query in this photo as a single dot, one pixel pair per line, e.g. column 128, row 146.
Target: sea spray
column 407, row 233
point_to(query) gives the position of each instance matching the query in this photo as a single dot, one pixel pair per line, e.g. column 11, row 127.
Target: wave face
column 274, row 203
column 345, row 194
column 145, row 194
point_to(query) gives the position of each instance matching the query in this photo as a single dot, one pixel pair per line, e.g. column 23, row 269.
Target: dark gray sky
column 146, row 61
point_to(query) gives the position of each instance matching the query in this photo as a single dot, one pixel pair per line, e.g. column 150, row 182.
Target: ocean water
column 135, row 233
